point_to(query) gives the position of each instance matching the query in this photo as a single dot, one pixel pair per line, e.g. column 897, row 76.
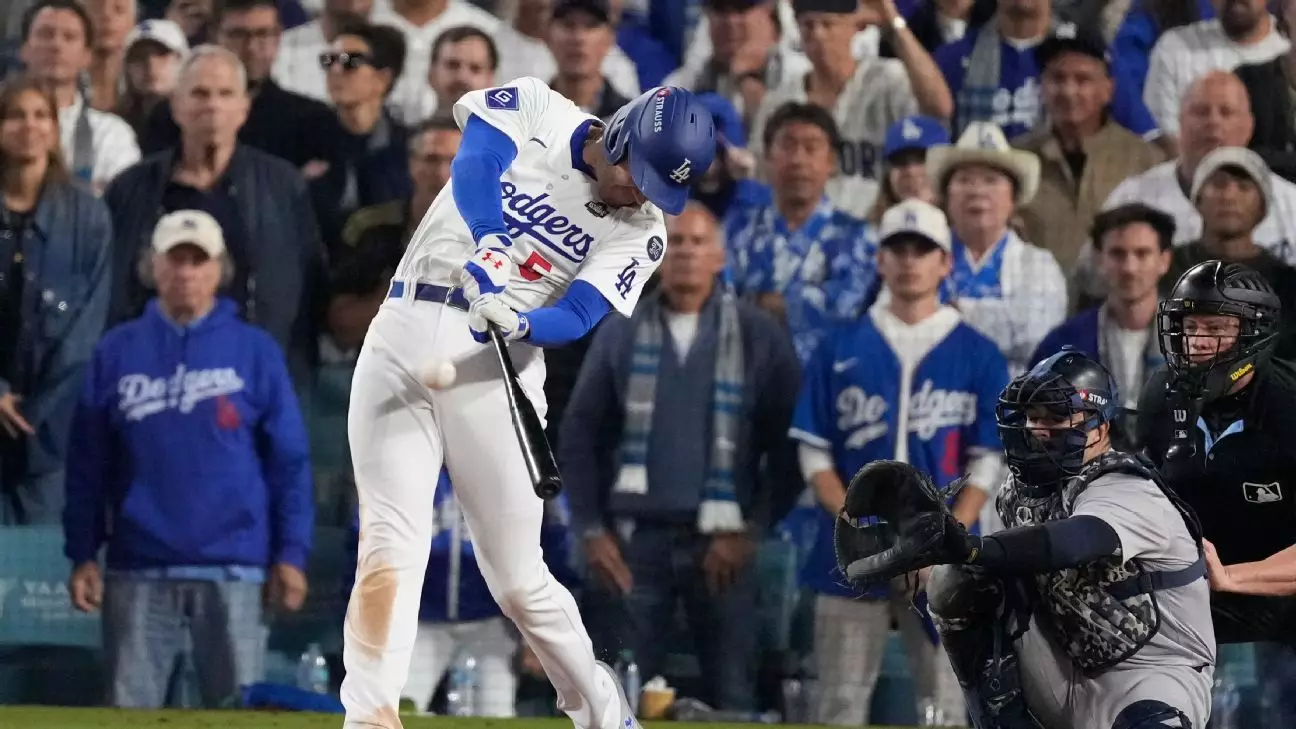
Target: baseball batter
column 551, row 221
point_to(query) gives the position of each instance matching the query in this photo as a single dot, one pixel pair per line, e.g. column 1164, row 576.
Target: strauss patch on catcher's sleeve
column 894, row 521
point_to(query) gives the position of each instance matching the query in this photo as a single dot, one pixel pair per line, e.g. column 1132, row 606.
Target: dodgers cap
column 915, row 219
column 914, row 132
column 669, row 137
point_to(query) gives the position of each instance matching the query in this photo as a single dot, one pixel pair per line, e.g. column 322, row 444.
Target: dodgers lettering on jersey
column 824, row 270
column 852, row 400
column 141, row 396
column 561, row 232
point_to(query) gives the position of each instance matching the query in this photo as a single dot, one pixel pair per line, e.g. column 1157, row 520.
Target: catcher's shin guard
column 967, row 607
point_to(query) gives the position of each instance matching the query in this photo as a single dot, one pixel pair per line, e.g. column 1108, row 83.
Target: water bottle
column 461, row 691
column 929, row 712
column 631, row 681
column 1225, row 699
column 313, row 670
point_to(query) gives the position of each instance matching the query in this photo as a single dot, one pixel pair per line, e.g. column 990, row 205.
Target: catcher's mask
column 1205, row 353
column 1045, row 417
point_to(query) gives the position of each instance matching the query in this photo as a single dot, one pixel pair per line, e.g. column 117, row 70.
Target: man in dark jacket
column 191, row 466
column 260, row 202
column 663, row 459
column 290, row 126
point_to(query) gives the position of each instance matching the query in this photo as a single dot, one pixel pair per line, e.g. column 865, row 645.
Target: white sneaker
column 628, row 720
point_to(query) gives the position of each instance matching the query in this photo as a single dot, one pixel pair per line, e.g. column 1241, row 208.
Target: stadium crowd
column 204, row 201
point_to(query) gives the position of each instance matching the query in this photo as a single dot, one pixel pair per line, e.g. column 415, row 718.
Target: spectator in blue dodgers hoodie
column 1133, row 243
column 994, row 77
column 800, row 257
column 904, row 163
column 191, row 466
column 56, row 244
column 458, row 616
column 676, row 458
column 910, row 381
column 728, row 183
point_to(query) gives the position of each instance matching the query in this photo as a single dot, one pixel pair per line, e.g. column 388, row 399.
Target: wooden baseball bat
column 539, row 457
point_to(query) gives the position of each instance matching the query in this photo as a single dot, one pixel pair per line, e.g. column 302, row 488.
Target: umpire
column 1220, row 422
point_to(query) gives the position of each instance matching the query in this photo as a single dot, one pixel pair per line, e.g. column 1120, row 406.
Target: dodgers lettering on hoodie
column 192, row 438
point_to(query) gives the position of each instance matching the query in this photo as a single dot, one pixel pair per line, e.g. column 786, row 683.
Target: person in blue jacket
column 1133, row 243
column 457, row 615
column 55, row 282
column 191, row 466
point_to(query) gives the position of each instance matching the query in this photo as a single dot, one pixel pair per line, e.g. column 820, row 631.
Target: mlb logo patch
column 505, row 99
column 1262, row 493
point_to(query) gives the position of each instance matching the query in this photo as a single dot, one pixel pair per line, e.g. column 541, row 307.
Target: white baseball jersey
column 876, row 96
column 561, row 232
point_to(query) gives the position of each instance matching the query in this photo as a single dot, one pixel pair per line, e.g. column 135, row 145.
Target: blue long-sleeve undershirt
column 570, row 318
column 484, row 154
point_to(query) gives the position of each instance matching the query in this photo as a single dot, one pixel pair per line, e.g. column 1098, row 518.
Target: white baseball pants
column 401, row 432
column 438, row 645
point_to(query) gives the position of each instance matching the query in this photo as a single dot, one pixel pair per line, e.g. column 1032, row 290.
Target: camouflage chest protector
column 1103, row 612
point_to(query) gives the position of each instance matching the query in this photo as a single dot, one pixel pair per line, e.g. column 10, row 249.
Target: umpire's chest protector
column 1103, row 612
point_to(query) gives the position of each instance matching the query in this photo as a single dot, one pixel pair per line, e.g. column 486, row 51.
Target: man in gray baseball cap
column 1232, row 190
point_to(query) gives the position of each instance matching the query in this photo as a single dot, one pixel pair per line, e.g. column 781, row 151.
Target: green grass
column 21, row 717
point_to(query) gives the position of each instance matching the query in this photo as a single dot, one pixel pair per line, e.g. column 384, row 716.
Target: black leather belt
column 451, row 296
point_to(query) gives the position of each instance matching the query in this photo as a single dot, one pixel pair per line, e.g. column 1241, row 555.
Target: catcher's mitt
column 895, row 521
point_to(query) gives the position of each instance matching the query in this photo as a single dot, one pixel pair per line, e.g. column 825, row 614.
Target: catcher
column 1091, row 610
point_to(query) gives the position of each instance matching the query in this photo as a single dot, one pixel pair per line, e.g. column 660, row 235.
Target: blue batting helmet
column 670, row 138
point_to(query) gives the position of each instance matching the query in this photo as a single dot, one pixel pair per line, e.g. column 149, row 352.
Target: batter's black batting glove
column 895, row 521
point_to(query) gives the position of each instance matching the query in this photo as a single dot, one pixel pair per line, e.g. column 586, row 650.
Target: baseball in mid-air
column 438, row 374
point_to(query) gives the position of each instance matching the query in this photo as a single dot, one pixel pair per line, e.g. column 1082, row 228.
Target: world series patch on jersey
column 560, row 231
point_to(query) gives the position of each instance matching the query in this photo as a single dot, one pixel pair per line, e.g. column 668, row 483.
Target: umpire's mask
column 1217, row 289
column 1045, row 417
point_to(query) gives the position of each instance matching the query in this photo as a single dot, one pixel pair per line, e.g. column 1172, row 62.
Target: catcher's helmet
column 1218, row 288
column 670, row 138
column 1044, row 441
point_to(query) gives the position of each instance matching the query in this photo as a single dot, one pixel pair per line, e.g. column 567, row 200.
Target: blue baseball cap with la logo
column 914, row 132
column 669, row 137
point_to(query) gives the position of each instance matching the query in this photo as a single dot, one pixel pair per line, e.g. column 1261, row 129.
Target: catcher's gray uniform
column 1176, row 667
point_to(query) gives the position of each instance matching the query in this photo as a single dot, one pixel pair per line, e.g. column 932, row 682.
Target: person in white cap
column 911, row 381
column 154, row 50
column 189, row 440
column 1233, row 192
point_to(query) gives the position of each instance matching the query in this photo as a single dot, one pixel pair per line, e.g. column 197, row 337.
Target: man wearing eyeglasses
column 300, row 130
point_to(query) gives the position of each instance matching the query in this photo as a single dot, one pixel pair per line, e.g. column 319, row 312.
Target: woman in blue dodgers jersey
column 910, row 366
column 457, row 614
